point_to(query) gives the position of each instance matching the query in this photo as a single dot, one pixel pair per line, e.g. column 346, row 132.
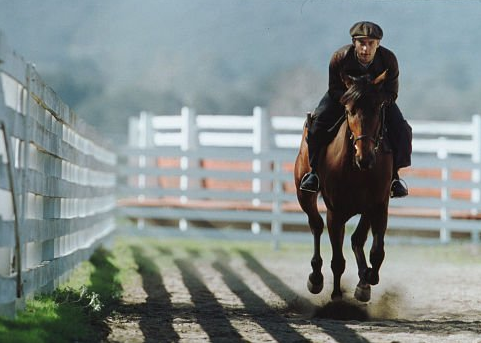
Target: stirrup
column 403, row 184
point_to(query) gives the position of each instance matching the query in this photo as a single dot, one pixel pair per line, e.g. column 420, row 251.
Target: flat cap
column 366, row 29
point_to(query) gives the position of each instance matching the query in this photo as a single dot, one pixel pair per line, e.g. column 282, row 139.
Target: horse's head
column 363, row 102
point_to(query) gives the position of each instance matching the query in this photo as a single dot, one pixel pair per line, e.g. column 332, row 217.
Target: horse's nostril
column 365, row 163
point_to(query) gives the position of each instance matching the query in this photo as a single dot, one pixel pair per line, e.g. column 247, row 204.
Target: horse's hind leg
column 358, row 239
column 315, row 282
column 308, row 202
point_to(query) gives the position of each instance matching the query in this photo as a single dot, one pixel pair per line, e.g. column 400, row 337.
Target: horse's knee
column 359, row 237
column 357, row 240
column 338, row 265
column 316, row 231
column 316, row 225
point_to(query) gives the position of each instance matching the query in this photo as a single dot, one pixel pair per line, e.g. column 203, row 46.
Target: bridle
column 377, row 139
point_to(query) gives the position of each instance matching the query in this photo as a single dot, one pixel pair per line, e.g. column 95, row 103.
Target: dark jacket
column 344, row 61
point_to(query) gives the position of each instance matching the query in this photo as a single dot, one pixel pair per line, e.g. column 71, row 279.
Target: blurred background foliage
column 111, row 59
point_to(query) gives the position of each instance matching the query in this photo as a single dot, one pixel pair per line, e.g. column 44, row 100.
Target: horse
column 354, row 178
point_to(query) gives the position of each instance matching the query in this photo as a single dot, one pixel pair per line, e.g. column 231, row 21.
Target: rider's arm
column 336, row 84
column 391, row 84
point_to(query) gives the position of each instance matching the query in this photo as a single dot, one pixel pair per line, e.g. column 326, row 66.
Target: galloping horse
column 355, row 176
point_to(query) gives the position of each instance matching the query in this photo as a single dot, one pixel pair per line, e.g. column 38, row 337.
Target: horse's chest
column 352, row 194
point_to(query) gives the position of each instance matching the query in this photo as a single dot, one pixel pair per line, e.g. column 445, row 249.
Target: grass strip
column 75, row 312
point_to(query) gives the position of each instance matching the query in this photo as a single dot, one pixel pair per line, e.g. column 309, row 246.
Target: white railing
column 221, row 168
column 57, row 186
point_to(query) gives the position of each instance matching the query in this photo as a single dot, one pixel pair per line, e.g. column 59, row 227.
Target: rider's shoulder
column 389, row 58
column 341, row 53
column 386, row 52
column 343, row 50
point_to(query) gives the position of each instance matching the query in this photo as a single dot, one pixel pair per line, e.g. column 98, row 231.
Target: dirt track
column 235, row 292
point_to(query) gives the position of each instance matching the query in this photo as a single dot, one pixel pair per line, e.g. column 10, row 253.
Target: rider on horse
column 363, row 56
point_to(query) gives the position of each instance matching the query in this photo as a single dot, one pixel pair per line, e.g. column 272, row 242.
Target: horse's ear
column 380, row 78
column 347, row 79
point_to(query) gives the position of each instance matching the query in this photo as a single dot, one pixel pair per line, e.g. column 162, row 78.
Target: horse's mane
column 360, row 87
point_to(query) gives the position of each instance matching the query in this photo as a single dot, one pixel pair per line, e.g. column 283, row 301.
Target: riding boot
column 310, row 180
column 320, row 133
column 398, row 186
column 400, row 136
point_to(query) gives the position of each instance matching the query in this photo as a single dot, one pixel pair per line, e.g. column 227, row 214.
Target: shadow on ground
column 343, row 321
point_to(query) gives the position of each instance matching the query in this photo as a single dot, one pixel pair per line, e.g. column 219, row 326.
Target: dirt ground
column 217, row 291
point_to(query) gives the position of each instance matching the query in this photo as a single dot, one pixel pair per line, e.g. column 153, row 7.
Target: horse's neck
column 339, row 149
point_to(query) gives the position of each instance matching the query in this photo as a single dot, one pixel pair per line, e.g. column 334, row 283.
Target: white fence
column 57, row 186
column 188, row 168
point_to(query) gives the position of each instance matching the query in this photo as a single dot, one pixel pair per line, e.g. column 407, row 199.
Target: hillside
column 111, row 59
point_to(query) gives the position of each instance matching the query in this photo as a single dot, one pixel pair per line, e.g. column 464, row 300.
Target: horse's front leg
column 358, row 239
column 336, row 226
column 376, row 256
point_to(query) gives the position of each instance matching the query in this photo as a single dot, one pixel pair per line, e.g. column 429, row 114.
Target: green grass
column 73, row 313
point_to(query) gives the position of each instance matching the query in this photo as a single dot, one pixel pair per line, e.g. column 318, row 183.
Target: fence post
column 277, row 189
column 260, row 145
column 144, row 140
column 133, row 141
column 34, row 251
column 444, row 233
column 133, row 131
column 189, row 143
column 476, row 172
column 6, row 203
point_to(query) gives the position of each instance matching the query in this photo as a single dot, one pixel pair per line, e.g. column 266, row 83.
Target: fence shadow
column 275, row 284
column 333, row 312
column 270, row 319
column 103, row 281
column 154, row 327
column 159, row 318
column 209, row 312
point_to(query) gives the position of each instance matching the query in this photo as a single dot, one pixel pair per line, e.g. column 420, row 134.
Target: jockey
column 363, row 56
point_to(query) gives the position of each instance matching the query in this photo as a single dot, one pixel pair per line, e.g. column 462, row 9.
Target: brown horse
column 355, row 176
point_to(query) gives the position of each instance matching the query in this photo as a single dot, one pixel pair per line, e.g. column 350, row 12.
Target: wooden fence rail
column 188, row 169
column 57, row 185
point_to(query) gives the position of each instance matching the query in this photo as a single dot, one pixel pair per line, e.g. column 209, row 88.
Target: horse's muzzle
column 366, row 162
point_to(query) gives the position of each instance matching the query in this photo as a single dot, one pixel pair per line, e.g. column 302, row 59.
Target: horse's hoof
column 315, row 287
column 363, row 292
